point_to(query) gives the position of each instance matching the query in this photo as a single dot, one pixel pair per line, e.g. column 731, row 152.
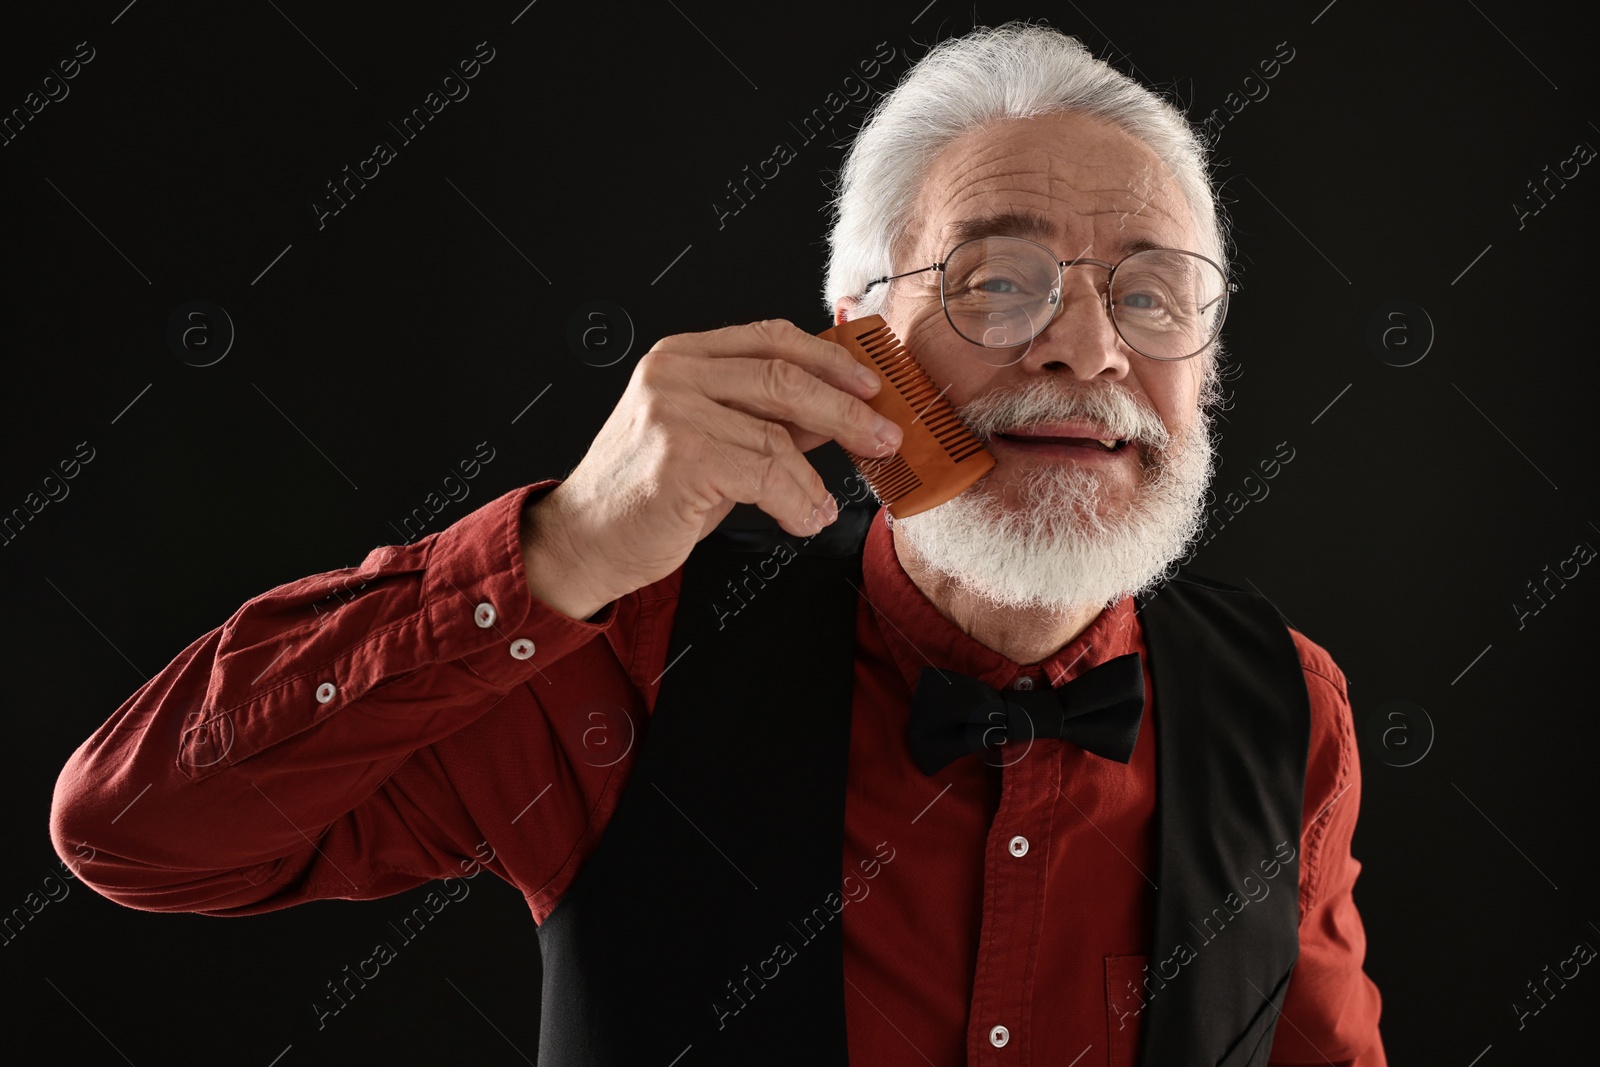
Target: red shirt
column 423, row 712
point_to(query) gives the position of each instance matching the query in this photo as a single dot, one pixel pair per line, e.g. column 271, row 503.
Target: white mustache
column 1064, row 545
column 1102, row 403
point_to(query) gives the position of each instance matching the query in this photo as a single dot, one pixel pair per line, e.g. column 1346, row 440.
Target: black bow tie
column 953, row 714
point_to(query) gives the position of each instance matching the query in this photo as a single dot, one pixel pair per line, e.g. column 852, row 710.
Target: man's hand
column 708, row 420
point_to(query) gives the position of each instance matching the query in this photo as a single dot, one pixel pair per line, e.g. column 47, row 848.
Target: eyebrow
column 1031, row 225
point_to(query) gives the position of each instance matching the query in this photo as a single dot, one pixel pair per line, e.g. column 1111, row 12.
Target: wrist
column 557, row 574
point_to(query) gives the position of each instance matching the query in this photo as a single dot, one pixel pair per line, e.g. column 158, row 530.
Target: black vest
column 732, row 825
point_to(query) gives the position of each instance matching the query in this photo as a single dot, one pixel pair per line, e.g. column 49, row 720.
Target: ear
column 844, row 310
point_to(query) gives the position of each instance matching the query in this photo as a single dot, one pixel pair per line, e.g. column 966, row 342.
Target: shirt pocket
column 1124, row 1009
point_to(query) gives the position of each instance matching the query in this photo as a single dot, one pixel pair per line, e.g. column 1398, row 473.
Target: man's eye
column 998, row 285
column 1008, row 283
column 1141, row 301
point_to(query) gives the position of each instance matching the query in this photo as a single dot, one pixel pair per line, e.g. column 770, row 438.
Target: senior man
column 972, row 786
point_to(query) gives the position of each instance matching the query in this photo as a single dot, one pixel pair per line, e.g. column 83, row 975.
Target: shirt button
column 521, row 648
column 325, row 692
column 1023, row 683
column 483, row 615
column 1019, row 846
column 998, row 1036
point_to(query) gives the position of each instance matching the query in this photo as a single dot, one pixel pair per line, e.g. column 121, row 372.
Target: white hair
column 1065, row 548
column 1017, row 70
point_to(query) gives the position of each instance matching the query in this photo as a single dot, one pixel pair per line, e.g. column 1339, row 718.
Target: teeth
column 1110, row 444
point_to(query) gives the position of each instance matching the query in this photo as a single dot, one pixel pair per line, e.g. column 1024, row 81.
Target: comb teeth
column 926, row 401
column 889, row 479
column 939, row 456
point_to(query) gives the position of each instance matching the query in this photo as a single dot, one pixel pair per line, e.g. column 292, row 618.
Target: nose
column 1079, row 336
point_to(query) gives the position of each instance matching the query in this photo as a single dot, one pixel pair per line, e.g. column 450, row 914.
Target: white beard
column 1061, row 550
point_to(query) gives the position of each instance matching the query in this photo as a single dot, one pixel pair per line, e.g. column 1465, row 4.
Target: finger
column 755, row 461
column 781, row 339
column 777, row 389
column 691, row 394
column 766, row 482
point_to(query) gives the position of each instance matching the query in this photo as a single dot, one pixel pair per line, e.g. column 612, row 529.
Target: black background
column 378, row 351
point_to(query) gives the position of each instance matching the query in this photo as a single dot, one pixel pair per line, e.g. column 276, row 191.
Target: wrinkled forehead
column 1076, row 184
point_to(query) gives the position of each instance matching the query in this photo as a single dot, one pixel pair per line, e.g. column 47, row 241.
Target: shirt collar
column 918, row 636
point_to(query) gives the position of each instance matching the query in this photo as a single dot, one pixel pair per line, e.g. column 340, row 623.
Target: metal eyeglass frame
column 1061, row 268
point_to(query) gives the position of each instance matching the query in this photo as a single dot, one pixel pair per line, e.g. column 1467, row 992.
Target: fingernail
column 868, row 377
column 887, row 432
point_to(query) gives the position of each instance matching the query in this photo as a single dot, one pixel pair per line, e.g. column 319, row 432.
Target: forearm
column 257, row 759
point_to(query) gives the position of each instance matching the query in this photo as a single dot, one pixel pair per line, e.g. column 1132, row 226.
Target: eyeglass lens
column 1001, row 292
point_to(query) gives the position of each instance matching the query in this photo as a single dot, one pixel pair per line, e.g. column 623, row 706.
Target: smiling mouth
column 1090, row 444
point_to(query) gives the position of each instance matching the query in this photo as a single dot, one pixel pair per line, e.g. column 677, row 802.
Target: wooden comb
column 939, row 457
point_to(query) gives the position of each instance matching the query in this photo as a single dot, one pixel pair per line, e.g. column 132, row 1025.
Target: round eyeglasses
column 1001, row 292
